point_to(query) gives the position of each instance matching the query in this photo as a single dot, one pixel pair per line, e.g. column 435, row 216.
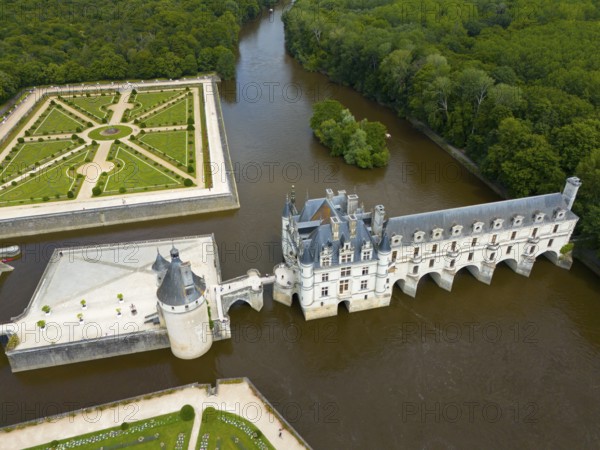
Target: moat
column 433, row 372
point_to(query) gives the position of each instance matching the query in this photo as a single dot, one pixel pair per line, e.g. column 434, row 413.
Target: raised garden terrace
column 75, row 146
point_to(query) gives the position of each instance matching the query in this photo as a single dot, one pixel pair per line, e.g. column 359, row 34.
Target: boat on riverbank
column 11, row 252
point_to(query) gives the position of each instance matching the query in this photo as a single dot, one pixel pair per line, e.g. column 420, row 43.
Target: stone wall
column 51, row 223
column 88, row 350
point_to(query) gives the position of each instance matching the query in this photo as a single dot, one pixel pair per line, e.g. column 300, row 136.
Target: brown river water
column 511, row 365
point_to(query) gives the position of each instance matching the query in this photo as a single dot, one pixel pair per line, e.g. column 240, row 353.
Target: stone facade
column 337, row 252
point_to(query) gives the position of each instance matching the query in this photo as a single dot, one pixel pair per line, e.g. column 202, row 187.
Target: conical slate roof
column 180, row 286
column 384, row 246
column 161, row 264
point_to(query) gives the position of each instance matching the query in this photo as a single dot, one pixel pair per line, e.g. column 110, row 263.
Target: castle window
column 494, row 238
column 418, row 236
column 366, row 255
column 509, row 249
column 550, row 242
column 326, row 261
column 365, row 271
column 394, row 255
column 555, row 229
column 437, row 233
column 324, row 292
column 492, row 256
column 517, row 221
column 456, row 230
column 431, row 261
column 345, row 271
column 538, row 217
column 471, row 256
column 415, row 270
column 474, row 242
column 513, row 235
column 452, row 263
column 434, row 248
column 531, row 249
column 187, row 306
column 325, row 277
column 416, row 252
column 560, row 214
column 344, row 286
column 497, row 224
column 346, row 258
column 534, row 232
column 453, row 245
column 477, row 227
column 396, row 239
column 363, row 285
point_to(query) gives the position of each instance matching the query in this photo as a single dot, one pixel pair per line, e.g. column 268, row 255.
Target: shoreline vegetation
column 360, row 143
column 518, row 92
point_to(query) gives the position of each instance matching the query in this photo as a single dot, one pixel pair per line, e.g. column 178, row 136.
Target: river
column 514, row 364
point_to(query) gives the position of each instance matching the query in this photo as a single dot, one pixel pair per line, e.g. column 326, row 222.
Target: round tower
column 382, row 265
column 183, row 306
column 306, row 279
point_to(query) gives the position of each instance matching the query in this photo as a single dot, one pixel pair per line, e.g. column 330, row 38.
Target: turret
column 307, row 278
column 384, row 252
column 160, row 267
column 570, row 191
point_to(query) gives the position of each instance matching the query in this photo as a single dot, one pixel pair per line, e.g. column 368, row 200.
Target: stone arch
column 346, row 303
column 228, row 303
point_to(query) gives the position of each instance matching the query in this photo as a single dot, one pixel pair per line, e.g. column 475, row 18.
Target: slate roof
column 466, row 216
column 160, row 264
column 323, row 237
column 180, row 285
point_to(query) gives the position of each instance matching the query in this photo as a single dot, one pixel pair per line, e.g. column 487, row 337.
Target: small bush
column 125, row 426
column 187, row 182
column 70, row 194
column 96, row 191
column 20, row 140
column 122, row 190
column 187, row 413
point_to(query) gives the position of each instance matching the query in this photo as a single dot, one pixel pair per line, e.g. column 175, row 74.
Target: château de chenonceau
column 335, row 251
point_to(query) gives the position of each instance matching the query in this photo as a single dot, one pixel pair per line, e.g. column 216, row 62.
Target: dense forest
column 43, row 43
column 360, row 143
column 515, row 83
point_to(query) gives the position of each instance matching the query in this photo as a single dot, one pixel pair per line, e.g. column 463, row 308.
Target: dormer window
column 325, row 261
column 517, row 221
column 559, row 214
column 346, row 245
column 477, row 227
column 396, row 239
column 538, row 217
column 419, row 236
column 497, row 223
column 366, row 255
column 456, row 230
column 437, row 233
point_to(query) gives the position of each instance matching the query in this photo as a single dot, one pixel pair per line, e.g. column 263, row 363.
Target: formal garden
column 170, row 431
column 144, row 142
column 224, row 430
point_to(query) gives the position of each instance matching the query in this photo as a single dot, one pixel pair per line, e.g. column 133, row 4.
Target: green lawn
column 58, row 179
column 164, row 429
column 172, row 143
column 135, row 174
column 30, row 153
column 95, row 106
column 145, row 101
column 57, row 122
column 227, row 431
column 176, row 114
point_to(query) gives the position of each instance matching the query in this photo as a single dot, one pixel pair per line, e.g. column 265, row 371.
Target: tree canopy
column 360, row 143
column 44, row 43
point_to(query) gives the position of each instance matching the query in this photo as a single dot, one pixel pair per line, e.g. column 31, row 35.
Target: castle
column 336, row 252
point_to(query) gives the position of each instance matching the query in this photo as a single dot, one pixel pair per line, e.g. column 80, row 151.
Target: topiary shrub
column 187, row 413
column 125, row 426
column 188, row 183
column 70, row 194
column 96, row 191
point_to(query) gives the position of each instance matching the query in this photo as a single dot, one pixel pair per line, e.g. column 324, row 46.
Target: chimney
column 335, row 228
column 293, row 196
column 570, row 190
column 377, row 220
column 329, row 194
column 352, row 225
column 352, row 203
